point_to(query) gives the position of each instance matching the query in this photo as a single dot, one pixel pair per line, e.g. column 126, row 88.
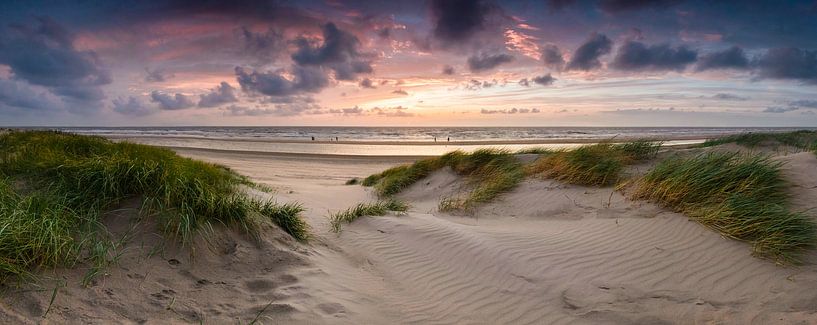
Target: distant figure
column 336, row 138
column 449, row 139
column 313, row 138
column 435, row 139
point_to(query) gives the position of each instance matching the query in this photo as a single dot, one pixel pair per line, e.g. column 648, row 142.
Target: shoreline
column 699, row 137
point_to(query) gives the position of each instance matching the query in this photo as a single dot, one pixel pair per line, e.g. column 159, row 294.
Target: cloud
column 804, row 103
column 274, row 83
column 293, row 108
column 614, row 6
column 788, row 63
column 524, row 82
column 483, row 61
column 347, row 111
column 780, row 109
column 18, row 94
column 130, row 106
column 509, row 111
column 448, row 70
column 552, row 57
column 265, row 47
column 399, row 92
column 636, row 56
column 45, row 56
column 157, row 75
column 726, row 96
column 222, row 94
column 339, row 51
column 792, row 106
column 731, row 58
column 367, row 83
column 587, row 55
column 457, row 21
column 545, row 80
column 168, row 102
column 397, row 111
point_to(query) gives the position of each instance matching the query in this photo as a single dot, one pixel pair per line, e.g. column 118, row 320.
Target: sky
column 408, row 63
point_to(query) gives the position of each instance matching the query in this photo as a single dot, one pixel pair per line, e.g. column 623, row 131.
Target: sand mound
column 544, row 253
column 229, row 278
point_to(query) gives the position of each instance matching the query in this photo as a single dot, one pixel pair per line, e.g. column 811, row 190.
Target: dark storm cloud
column 273, row 83
column 613, row 6
column 587, row 55
column 367, row 83
column 788, row 63
column 731, row 58
column 168, row 102
column 339, row 52
column 636, row 56
column 157, row 75
column 457, row 21
column 130, row 106
column 448, row 70
column 484, row 61
column 265, row 47
column 552, row 57
column 45, row 55
column 384, row 32
column 545, row 80
column 222, row 94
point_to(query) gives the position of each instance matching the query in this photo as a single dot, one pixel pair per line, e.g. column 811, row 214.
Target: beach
column 544, row 252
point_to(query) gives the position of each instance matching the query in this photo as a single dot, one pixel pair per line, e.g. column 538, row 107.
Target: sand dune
column 545, row 253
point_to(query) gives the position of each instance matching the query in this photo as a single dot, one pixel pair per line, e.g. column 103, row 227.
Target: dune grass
column 365, row 209
column 54, row 188
column 489, row 173
column 802, row 139
column 742, row 197
column 597, row 164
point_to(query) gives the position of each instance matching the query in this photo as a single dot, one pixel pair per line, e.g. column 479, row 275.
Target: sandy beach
column 546, row 252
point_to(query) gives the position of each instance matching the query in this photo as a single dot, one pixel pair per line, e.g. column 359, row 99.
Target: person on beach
column 313, row 138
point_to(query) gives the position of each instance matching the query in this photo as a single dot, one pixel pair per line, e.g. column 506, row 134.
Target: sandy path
column 592, row 258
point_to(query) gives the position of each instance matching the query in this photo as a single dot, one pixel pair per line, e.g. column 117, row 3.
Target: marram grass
column 597, row 164
column 365, row 209
column 55, row 186
column 742, row 197
column 802, row 139
column 489, row 173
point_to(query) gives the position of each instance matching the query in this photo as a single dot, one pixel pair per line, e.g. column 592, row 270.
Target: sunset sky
column 409, row 63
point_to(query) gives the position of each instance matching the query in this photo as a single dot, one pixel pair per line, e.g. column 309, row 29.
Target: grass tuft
column 742, row 197
column 597, row 164
column 55, row 186
column 802, row 139
column 489, row 172
column 365, row 209
column 353, row 181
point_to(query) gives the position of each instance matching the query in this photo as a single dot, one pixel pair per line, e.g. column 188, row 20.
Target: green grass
column 489, row 173
column 597, row 164
column 742, row 197
column 802, row 139
column 54, row 187
column 365, row 209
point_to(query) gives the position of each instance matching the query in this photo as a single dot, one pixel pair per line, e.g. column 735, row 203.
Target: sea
column 399, row 141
